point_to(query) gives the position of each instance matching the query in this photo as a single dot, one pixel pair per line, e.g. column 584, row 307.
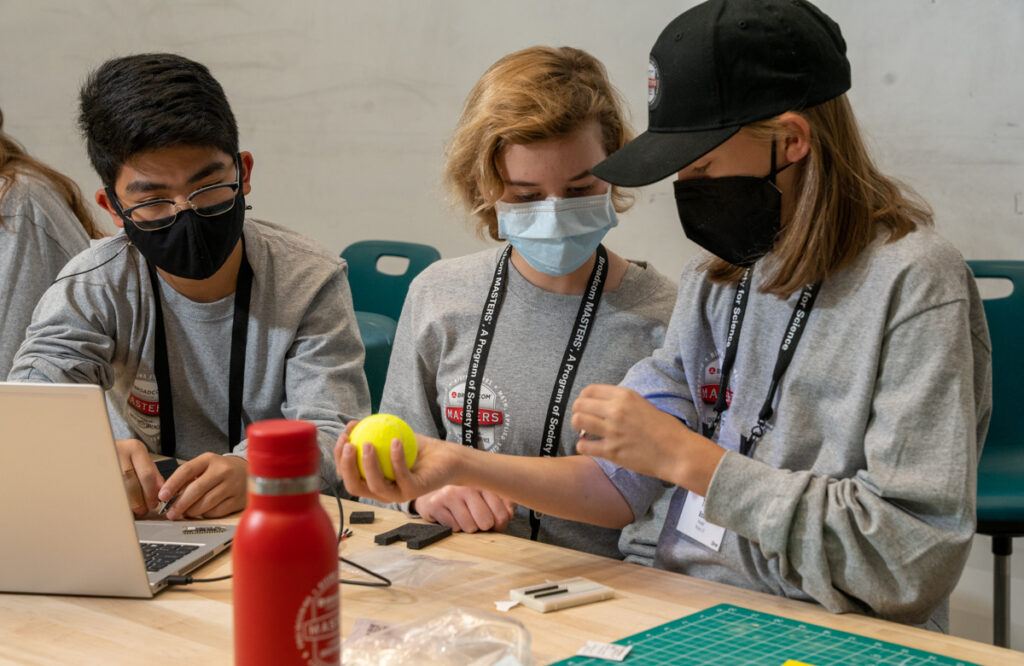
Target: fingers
column 603, row 391
column 149, row 480
column 599, row 404
column 442, row 516
column 142, row 480
column 209, row 481
column 486, row 510
column 225, row 508
column 465, row 521
column 404, row 480
column 465, row 509
column 501, row 509
column 345, row 461
column 136, row 499
column 375, row 481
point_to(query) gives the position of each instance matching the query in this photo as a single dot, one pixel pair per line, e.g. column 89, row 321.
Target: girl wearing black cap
column 824, row 387
column 492, row 348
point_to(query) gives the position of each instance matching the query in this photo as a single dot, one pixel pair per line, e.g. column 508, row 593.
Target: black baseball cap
column 724, row 64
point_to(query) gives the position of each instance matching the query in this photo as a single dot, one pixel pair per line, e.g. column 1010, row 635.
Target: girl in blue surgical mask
column 492, row 348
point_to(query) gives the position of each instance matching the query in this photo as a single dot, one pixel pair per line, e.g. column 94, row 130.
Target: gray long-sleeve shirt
column 861, row 495
column 38, row 235
column 435, row 339
column 304, row 356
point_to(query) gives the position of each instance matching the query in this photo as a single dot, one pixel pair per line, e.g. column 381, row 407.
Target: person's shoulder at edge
column 464, row 270
column 922, row 261
column 29, row 193
column 648, row 280
column 289, row 258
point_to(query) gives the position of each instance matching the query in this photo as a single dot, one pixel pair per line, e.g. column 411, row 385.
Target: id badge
column 692, row 523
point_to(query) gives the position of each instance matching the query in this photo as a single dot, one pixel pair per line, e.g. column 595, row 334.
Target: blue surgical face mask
column 557, row 236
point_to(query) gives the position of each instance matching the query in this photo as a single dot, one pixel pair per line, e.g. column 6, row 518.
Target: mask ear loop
column 774, row 170
column 772, row 173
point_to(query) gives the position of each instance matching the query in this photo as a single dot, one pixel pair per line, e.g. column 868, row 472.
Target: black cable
column 188, row 580
column 112, row 257
column 341, row 525
column 364, row 583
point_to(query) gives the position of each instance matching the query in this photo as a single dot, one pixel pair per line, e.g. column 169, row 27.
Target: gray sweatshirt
column 436, row 332
column 38, row 234
column 861, row 495
column 304, row 356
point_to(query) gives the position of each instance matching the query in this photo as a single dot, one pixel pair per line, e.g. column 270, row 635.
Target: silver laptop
column 66, row 526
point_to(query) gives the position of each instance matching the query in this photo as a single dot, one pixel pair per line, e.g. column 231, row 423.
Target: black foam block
column 415, row 535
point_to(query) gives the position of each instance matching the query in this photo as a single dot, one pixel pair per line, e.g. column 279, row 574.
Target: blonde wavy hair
column 14, row 160
column 842, row 205
column 528, row 96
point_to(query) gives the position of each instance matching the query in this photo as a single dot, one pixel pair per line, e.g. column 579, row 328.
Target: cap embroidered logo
column 653, row 84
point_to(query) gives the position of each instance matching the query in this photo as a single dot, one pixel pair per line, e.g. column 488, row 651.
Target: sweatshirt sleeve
column 410, row 391
column 38, row 235
column 892, row 538
column 324, row 379
column 661, row 380
column 71, row 338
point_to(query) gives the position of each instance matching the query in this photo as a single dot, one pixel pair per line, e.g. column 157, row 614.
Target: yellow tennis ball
column 379, row 430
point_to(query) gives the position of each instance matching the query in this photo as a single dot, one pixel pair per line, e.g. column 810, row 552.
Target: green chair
column 1001, row 469
column 378, row 298
column 383, row 293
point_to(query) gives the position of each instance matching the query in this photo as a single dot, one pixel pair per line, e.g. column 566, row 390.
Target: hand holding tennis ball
column 379, row 430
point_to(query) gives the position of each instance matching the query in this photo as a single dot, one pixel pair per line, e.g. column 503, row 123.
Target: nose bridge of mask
column 556, row 218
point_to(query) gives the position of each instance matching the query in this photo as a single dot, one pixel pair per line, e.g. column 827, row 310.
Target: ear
column 247, row 163
column 797, row 143
column 105, row 204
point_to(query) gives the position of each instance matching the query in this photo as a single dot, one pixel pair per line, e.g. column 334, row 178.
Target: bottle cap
column 282, row 448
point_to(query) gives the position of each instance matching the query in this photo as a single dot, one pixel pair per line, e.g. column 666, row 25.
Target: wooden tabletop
column 193, row 624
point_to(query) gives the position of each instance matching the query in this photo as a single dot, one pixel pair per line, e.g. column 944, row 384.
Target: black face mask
column 194, row 247
column 736, row 218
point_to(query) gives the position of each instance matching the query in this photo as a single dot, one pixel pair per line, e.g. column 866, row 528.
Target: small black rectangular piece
column 538, row 590
column 560, row 590
column 360, row 517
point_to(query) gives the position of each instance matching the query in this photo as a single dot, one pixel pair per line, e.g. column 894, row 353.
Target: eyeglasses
column 208, row 201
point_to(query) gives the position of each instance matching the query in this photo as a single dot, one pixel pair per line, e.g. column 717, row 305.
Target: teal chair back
column 1001, row 468
column 376, row 291
column 1005, row 439
column 378, row 298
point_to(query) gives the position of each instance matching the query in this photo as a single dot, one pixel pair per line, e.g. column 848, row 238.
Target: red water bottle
column 285, row 554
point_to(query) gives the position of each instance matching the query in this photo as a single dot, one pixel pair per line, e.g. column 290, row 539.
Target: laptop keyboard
column 159, row 555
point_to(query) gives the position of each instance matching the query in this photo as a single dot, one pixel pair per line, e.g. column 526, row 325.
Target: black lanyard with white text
column 236, row 381
column 570, row 358
column 787, row 348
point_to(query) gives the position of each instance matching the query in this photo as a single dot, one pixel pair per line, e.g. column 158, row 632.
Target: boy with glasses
column 196, row 320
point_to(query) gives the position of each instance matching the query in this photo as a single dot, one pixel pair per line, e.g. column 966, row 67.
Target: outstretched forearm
column 571, row 487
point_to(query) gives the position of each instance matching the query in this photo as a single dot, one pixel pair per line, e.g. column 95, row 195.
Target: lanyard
column 236, row 381
column 570, row 358
column 787, row 349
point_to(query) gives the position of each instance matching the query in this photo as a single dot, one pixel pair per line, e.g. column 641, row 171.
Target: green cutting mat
column 726, row 634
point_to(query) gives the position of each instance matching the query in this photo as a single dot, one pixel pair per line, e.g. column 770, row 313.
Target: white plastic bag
column 456, row 637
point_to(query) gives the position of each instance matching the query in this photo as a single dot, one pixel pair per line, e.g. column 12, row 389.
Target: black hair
column 152, row 100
